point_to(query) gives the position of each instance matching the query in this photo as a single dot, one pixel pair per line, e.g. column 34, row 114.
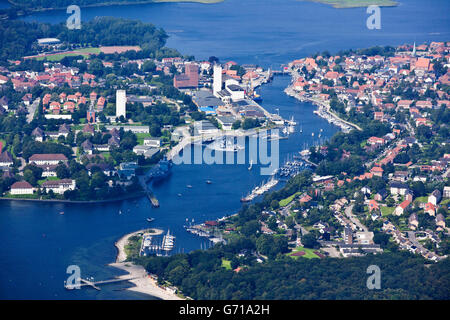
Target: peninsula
column 340, row 4
column 144, row 283
column 40, row 5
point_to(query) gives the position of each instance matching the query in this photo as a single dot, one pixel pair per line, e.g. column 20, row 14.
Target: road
column 354, row 219
column 32, row 109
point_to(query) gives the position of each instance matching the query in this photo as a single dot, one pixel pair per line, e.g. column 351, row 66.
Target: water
column 4, row 4
column 38, row 243
column 271, row 32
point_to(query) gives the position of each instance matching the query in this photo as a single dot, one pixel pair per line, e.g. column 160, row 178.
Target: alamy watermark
column 374, row 20
column 374, row 281
column 74, row 280
column 74, row 20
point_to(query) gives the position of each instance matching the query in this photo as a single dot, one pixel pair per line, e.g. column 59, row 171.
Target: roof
column 48, row 156
column 56, row 183
column 404, row 204
column 398, row 185
column 6, row 157
column 21, row 185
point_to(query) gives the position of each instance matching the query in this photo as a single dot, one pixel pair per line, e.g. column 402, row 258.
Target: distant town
column 110, row 126
column 388, row 186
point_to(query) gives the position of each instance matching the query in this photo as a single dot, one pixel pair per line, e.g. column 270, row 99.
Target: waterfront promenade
column 324, row 110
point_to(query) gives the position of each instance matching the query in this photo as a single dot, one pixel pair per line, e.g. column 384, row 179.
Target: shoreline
column 144, row 282
column 30, row 11
column 127, row 197
column 324, row 108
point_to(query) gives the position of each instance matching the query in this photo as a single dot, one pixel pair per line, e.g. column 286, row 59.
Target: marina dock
column 260, row 190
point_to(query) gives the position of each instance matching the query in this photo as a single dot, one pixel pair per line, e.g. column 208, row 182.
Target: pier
column 150, row 195
column 96, row 284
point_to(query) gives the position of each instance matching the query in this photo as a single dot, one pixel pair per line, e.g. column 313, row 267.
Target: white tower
column 121, row 103
column 217, row 83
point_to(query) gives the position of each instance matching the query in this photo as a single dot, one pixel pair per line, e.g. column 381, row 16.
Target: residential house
column 38, row 134
column 377, row 171
column 380, row 195
column 87, row 146
column 413, row 221
column 401, row 208
column 430, row 209
column 6, row 159
column 446, row 192
column 435, row 197
column 398, row 188
column 440, row 222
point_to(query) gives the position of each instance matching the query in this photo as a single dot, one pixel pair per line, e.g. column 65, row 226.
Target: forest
column 19, row 38
column 200, row 275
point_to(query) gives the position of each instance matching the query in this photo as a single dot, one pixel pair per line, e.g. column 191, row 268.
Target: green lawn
column 142, row 136
column 22, row 196
column 84, row 52
column 423, row 199
column 40, row 182
column 226, row 264
column 385, row 211
column 285, row 202
column 309, row 253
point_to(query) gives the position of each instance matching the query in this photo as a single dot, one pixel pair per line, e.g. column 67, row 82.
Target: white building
column 237, row 92
column 48, row 159
column 21, row 187
column 121, row 103
column 217, row 82
column 134, row 129
column 59, row 186
column 152, row 142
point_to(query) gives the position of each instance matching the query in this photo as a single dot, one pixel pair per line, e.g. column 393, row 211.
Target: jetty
column 96, row 284
column 149, row 193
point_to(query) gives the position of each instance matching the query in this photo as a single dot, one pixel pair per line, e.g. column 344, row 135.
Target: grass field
column 385, row 211
column 142, row 136
column 309, row 253
column 40, row 182
column 86, row 52
column 285, row 202
column 226, row 264
column 423, row 199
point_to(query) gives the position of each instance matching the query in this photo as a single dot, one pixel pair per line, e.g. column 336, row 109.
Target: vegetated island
column 340, row 4
column 42, row 5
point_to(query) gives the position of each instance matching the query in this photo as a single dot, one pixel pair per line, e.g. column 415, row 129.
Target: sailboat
column 301, row 129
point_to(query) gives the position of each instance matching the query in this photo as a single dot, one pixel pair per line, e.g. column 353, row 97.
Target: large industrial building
column 189, row 79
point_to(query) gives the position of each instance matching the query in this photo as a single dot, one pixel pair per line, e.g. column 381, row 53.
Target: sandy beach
column 143, row 282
